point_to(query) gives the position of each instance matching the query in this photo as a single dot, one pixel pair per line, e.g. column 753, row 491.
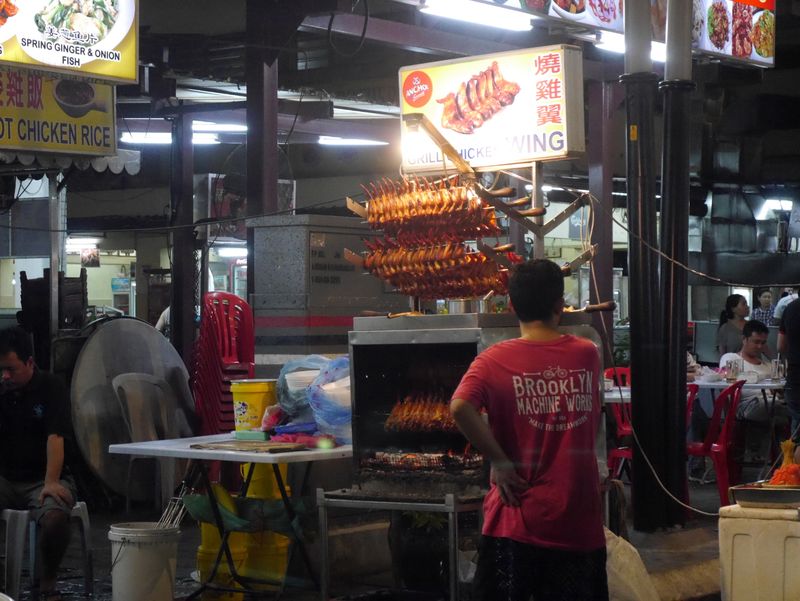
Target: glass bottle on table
column 732, row 369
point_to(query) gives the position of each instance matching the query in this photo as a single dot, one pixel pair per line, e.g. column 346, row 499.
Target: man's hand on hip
column 508, row 483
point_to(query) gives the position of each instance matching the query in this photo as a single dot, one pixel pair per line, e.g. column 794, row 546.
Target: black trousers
column 512, row 571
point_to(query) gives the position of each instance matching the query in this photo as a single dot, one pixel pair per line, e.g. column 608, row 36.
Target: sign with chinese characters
column 498, row 110
column 44, row 113
column 94, row 38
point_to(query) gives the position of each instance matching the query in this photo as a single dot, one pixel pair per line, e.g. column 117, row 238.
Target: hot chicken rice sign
column 497, row 110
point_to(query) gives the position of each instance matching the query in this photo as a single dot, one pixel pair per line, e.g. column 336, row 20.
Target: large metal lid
column 117, row 347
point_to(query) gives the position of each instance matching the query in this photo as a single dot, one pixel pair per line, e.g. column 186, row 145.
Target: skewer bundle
column 417, row 207
column 425, row 226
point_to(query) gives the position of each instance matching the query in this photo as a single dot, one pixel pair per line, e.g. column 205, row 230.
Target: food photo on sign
column 97, row 37
column 739, row 30
column 45, row 113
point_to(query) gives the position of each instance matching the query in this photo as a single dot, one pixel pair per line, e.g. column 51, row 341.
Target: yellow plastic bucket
column 250, row 399
column 267, row 557
column 205, row 561
column 263, row 484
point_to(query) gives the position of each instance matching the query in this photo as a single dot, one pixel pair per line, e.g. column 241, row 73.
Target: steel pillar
column 600, row 157
column 183, row 261
column 56, row 248
column 677, row 88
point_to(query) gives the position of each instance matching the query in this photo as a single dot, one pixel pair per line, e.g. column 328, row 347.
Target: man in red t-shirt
column 543, row 525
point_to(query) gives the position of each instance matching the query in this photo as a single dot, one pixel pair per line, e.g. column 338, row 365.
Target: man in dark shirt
column 789, row 347
column 34, row 420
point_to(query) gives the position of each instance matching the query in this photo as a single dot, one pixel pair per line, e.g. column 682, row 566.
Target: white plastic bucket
column 143, row 561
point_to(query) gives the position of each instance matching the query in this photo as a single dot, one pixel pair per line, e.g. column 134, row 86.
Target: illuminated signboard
column 44, row 113
column 497, row 110
column 93, row 38
column 743, row 31
column 739, row 30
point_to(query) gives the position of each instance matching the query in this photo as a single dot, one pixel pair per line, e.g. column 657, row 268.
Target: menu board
column 740, row 30
column 743, row 31
column 601, row 14
column 497, row 110
column 93, row 38
column 39, row 112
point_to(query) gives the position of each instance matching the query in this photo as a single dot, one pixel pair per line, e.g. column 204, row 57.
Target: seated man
column 34, row 419
column 751, row 404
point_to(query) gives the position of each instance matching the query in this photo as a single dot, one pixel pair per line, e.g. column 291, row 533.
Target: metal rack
column 449, row 504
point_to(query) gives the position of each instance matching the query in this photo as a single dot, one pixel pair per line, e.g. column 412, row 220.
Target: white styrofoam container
column 759, row 550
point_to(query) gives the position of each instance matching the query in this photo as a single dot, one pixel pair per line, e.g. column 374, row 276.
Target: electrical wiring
column 361, row 40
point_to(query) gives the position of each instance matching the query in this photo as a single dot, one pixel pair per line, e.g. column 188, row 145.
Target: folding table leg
column 292, row 515
column 324, row 577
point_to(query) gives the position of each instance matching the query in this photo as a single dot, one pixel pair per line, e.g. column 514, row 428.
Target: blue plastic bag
column 295, row 403
column 331, row 417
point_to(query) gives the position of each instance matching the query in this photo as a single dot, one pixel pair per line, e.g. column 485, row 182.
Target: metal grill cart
column 450, row 504
column 407, row 453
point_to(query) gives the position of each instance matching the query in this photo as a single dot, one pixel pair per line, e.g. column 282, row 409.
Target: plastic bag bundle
column 294, row 401
column 332, row 416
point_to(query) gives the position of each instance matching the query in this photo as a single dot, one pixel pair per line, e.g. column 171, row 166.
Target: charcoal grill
column 403, row 373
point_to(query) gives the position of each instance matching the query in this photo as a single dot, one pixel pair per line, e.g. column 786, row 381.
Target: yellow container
column 263, row 484
column 209, row 547
column 267, row 557
column 205, row 561
column 250, row 400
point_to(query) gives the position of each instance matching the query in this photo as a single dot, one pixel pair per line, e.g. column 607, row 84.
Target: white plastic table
column 182, row 448
column 623, row 394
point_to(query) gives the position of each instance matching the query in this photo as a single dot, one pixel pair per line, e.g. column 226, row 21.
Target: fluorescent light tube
column 615, row 42
column 478, row 13
column 163, row 137
column 336, row 141
column 231, row 252
column 209, row 126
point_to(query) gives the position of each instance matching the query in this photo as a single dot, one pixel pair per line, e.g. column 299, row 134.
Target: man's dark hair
column 754, row 327
column 535, row 288
column 16, row 340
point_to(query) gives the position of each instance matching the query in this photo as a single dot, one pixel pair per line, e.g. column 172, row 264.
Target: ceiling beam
column 387, row 130
column 410, row 37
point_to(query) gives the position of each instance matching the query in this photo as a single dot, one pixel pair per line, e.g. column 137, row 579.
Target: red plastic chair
column 718, row 443
column 623, row 453
column 620, row 375
column 691, row 395
column 621, row 457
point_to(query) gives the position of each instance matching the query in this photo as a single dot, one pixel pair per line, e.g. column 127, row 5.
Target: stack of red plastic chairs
column 223, row 352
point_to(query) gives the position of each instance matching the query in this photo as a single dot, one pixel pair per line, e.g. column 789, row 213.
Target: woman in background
column 731, row 324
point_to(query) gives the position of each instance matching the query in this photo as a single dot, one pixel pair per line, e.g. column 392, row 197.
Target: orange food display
column 414, row 209
column 426, row 225
column 789, row 472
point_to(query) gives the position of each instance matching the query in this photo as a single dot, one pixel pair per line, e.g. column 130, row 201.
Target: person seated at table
column 692, row 367
column 752, row 406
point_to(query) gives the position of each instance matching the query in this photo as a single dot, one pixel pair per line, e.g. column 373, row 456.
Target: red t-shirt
column 543, row 403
